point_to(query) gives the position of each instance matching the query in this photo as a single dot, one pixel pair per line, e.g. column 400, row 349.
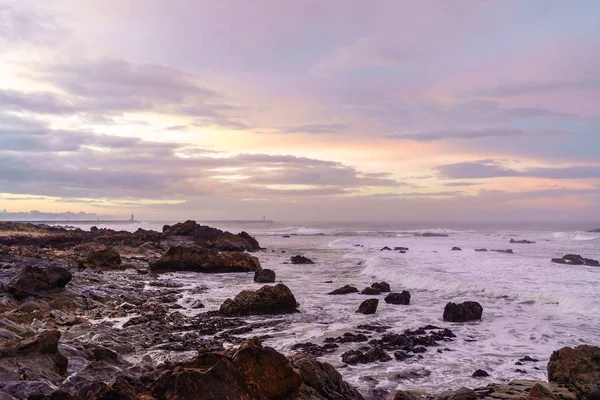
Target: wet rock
column 528, row 359
column 480, row 374
column 314, row 350
column 368, row 306
column 506, row 251
column 301, row 260
column 385, row 248
column 197, row 304
column 38, row 281
column 401, row 248
column 264, row 276
column 398, row 298
column 370, row 291
column 383, row 287
column 345, row 290
column 196, row 259
column 480, row 249
column 412, row 373
column 211, row 237
column 521, row 241
column 575, row 259
column 540, row 392
column 431, row 234
column 276, row 299
column 349, row 338
column 578, row 368
column 463, row 312
column 456, row 248
column 402, row 355
column 371, row 355
column 401, row 395
column 373, row 328
column 106, row 258
column 460, row 394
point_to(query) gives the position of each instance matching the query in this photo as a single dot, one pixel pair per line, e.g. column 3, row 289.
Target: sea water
column 531, row 306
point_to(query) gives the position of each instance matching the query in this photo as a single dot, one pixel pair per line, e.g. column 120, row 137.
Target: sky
column 302, row 110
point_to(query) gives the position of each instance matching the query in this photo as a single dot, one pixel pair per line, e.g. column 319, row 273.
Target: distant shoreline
column 128, row 221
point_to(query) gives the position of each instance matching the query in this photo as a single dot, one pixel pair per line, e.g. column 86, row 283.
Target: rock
column 107, row 258
column 381, row 286
column 301, row 260
column 197, row 304
column 276, row 299
column 401, row 248
column 196, row 259
column 385, row 248
column 370, row 291
column 368, row 306
column 264, row 276
column 323, row 378
column 401, row 395
column 480, row 249
column 539, row 392
column 373, row 354
column 212, row 237
column 345, row 290
column 507, row 251
column 521, row 241
column 398, row 298
column 480, row 374
column 460, row 394
column 456, row 248
column 595, row 231
column 578, row 368
column 467, row 311
column 38, row 281
column 431, row 234
column 575, row 259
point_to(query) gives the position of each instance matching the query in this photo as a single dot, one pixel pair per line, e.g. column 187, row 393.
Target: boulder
column 106, row 258
column 578, row 368
column 398, row 298
column 540, row 392
column 373, row 354
column 345, row 290
column 368, row 306
column 264, row 276
column 276, row 299
column 400, row 248
column 480, row 374
column 467, row 311
column 513, row 241
column 456, row 248
column 38, row 281
column 370, row 291
column 301, row 260
column 576, row 259
column 382, row 286
column 212, row 237
column 198, row 259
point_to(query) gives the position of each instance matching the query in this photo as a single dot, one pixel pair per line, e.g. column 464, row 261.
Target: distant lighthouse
column 131, row 217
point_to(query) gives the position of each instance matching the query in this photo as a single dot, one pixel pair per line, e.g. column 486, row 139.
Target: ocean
column 531, row 305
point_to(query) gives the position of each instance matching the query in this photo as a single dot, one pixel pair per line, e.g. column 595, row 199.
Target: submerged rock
column 506, row 251
column 264, row 276
column 197, row 259
column 276, row 299
column 576, row 259
column 345, row 290
column 431, row 234
column 368, row 306
column 467, row 311
column 398, row 298
column 371, row 355
column 301, row 260
column 38, row 281
column 456, row 248
column 521, row 241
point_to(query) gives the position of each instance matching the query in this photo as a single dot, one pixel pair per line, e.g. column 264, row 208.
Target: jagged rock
column 383, row 287
column 197, row 259
column 467, row 311
column 301, row 260
column 401, row 248
column 521, row 241
column 385, row 248
column 480, row 249
column 264, row 276
column 345, row 290
column 368, row 306
column 370, row 291
column 540, row 392
column 38, row 281
column 276, row 299
column 398, row 298
column 578, row 368
column 575, row 259
column 212, row 237
column 106, row 258
column 373, row 354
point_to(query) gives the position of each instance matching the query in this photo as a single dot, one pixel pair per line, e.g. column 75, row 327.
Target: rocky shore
column 85, row 315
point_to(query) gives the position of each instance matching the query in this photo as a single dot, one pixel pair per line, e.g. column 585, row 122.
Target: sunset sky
column 301, row 110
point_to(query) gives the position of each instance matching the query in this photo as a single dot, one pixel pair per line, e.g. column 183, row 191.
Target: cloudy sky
column 301, row 110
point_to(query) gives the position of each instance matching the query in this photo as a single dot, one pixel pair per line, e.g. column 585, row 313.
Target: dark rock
column 301, row 260
column 480, row 374
column 373, row 354
column 314, row 350
column 345, row 290
column 38, row 281
column 402, row 355
column 368, row 306
column 105, row 258
column 456, row 248
column 506, row 251
column 401, row 395
column 349, row 338
column 276, row 299
column 381, row 286
column 431, row 234
column 401, row 248
column 521, row 241
column 480, row 249
column 467, row 311
column 460, row 394
column 578, row 368
column 539, row 392
column 398, row 298
column 575, row 259
column 196, row 259
column 264, row 276
column 528, row 359
column 385, row 248
column 370, row 291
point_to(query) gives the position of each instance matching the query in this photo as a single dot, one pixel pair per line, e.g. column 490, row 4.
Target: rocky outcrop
column 105, row 258
column 524, row 241
column 276, row 299
column 38, row 281
column 301, row 260
column 463, row 312
column 198, row 259
column 347, row 289
column 576, row 259
column 368, row 306
column 578, row 368
column 398, row 298
column 264, row 276
column 211, row 237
